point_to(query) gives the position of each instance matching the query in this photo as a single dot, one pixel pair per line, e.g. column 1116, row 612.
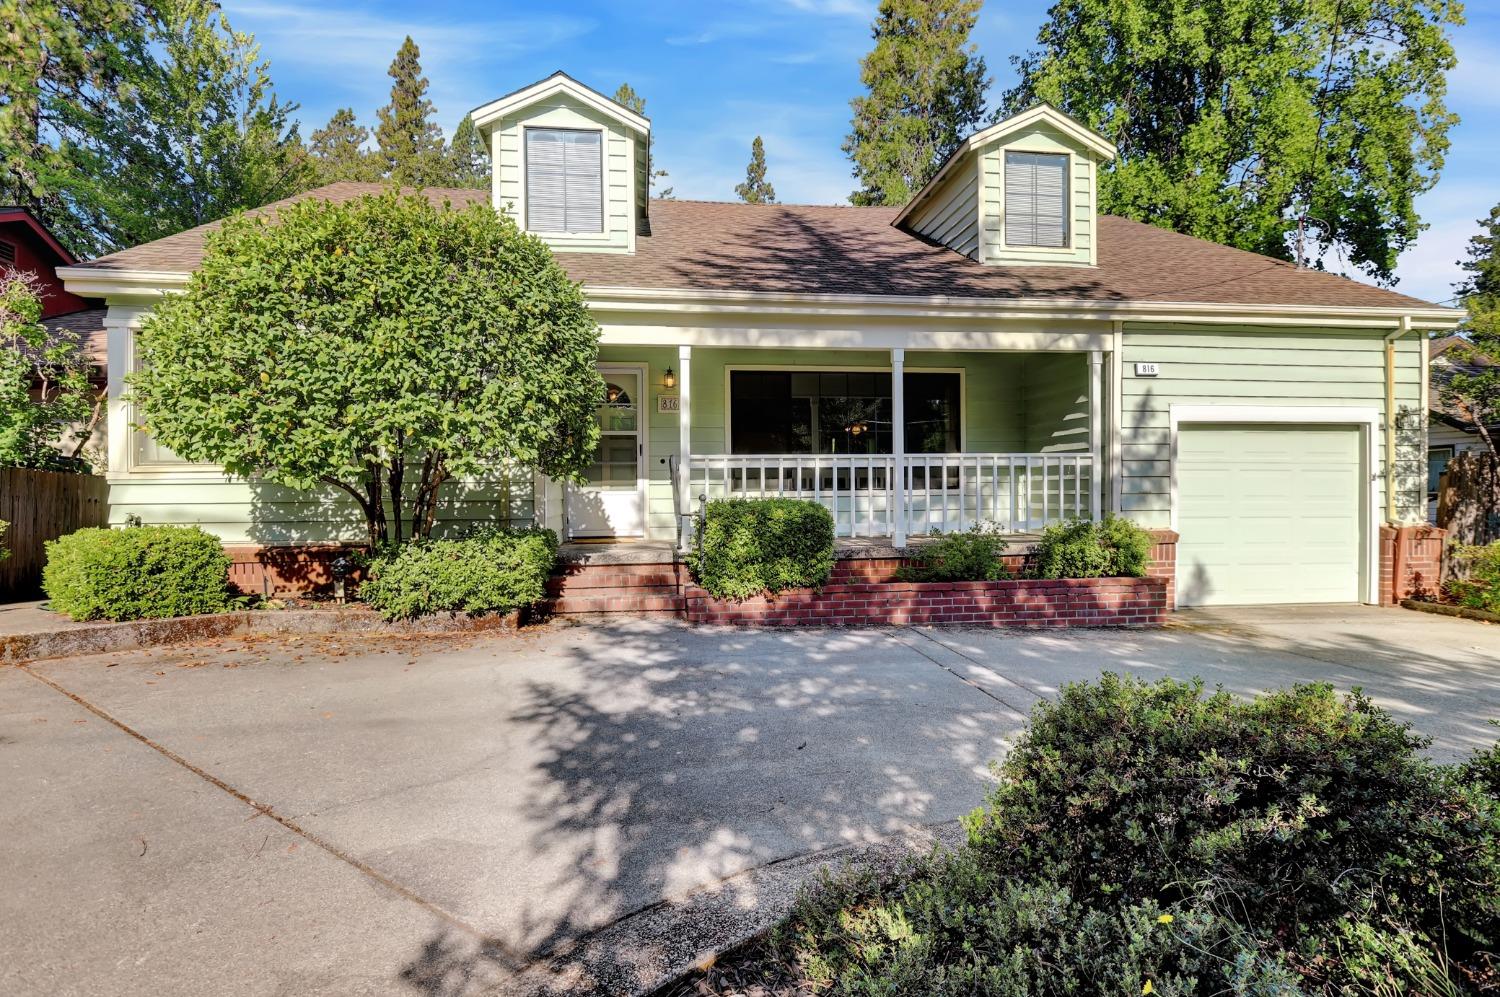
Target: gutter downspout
column 1390, row 417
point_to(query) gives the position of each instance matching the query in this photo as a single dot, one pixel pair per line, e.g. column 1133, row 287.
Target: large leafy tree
column 56, row 56
column 626, row 97
column 47, row 409
column 409, row 140
column 924, row 93
column 1472, row 381
column 756, row 189
column 468, row 160
column 381, row 346
column 199, row 133
column 338, row 150
column 1234, row 118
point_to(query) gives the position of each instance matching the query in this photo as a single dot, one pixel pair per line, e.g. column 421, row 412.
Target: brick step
column 608, row 578
column 620, row 601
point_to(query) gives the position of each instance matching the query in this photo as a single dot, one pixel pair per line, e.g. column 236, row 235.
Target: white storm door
column 612, row 502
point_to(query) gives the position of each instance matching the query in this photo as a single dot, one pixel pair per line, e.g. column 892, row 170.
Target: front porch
column 895, row 443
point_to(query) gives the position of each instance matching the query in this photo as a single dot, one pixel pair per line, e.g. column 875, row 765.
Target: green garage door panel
column 1268, row 514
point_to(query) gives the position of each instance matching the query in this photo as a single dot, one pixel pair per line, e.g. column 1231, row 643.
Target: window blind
column 564, row 180
column 1036, row 200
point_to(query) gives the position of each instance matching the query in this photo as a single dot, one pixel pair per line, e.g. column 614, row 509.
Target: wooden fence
column 42, row 506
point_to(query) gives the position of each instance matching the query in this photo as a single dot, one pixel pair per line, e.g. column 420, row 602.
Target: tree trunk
column 424, row 508
column 1469, row 501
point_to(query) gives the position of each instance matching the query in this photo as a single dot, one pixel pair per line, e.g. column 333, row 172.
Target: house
column 1450, row 427
column 27, row 246
column 995, row 351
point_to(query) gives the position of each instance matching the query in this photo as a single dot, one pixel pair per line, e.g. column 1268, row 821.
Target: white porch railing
column 1018, row 492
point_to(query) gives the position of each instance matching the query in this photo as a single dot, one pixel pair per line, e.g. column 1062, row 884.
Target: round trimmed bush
column 490, row 571
column 140, row 572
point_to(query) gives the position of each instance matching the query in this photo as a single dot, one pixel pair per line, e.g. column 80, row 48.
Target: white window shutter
column 1036, row 199
column 564, row 180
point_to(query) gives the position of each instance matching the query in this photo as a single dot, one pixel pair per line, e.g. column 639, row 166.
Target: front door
column 612, row 502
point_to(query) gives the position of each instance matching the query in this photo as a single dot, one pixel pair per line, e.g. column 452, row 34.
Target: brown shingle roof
column 709, row 245
column 84, row 327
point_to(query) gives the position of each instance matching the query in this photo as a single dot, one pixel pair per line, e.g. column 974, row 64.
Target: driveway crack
column 1022, row 711
column 290, row 823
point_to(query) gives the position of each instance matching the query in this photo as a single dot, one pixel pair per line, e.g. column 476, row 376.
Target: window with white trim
column 1036, row 199
column 564, row 180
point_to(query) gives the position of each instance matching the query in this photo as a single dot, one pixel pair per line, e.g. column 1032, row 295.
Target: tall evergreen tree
column 409, row 140
column 199, row 133
column 56, row 56
column 756, row 189
column 1473, row 383
column 924, row 86
column 627, row 97
column 468, row 160
column 1234, row 118
column 338, row 150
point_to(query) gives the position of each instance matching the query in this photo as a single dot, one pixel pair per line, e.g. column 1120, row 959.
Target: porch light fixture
column 669, row 379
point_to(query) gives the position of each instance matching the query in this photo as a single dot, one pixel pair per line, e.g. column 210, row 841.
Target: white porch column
column 684, row 482
column 898, row 446
column 1096, row 434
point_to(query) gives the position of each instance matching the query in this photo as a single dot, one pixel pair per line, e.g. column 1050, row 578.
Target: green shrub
column 1479, row 584
column 971, row 556
column 1293, row 843
column 489, row 571
column 4, row 528
column 141, row 572
column 750, row 546
column 1079, row 548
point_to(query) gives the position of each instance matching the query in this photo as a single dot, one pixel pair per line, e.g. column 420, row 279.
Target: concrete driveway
column 379, row 816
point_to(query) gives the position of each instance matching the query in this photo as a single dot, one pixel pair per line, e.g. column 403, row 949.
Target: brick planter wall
column 1411, row 562
column 1073, row 602
column 282, row 571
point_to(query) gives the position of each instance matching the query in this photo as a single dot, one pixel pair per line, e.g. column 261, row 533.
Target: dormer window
column 564, row 180
column 1036, row 199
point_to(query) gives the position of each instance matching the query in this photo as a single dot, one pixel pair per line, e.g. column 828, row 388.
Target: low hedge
column 140, row 572
column 489, row 571
column 747, row 547
column 1149, row 838
column 1080, row 548
column 970, row 556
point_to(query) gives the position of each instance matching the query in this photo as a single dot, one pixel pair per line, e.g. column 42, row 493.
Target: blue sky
column 715, row 73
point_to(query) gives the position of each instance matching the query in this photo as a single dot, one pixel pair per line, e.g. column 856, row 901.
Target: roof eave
column 98, row 282
column 485, row 115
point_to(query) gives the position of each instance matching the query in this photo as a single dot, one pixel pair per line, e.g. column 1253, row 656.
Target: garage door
column 1268, row 514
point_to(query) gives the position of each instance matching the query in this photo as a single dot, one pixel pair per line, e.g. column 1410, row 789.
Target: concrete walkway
column 428, row 815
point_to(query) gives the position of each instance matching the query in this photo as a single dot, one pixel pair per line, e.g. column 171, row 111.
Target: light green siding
column 951, row 214
column 1212, row 365
column 624, row 169
column 1039, row 137
column 260, row 513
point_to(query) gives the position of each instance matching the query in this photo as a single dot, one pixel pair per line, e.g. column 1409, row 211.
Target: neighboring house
column 996, row 350
column 1450, row 427
column 27, row 246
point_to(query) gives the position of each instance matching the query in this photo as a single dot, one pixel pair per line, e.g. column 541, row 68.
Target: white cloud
column 347, row 50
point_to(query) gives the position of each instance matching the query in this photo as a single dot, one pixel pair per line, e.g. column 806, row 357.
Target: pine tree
column 756, row 189
column 338, row 150
column 468, row 160
column 628, row 98
column 924, row 87
column 1473, row 382
column 57, row 56
column 410, row 143
column 198, row 134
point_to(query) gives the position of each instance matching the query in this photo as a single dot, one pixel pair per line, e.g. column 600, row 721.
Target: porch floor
column 665, row 552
